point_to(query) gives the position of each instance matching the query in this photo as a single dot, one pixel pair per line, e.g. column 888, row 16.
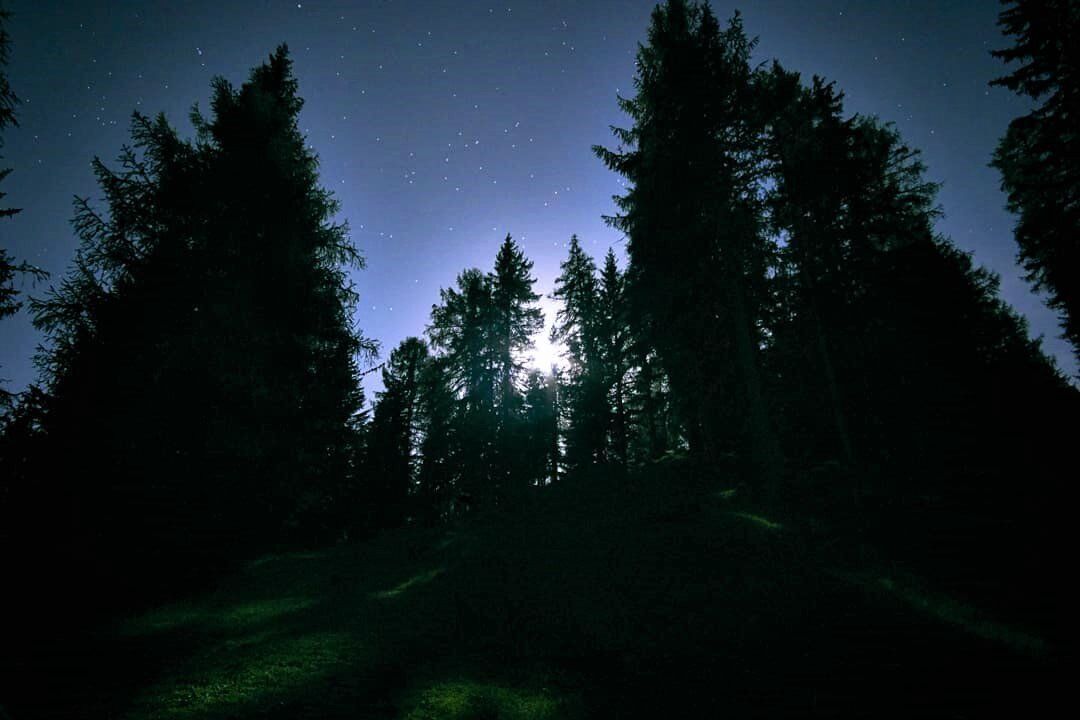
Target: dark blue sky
column 441, row 126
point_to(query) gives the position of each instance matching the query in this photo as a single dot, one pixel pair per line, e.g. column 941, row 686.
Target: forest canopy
column 786, row 305
column 788, row 329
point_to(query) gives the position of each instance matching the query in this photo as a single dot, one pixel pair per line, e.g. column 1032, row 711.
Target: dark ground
column 659, row 595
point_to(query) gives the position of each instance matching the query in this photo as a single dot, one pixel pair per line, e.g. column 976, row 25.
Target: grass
column 470, row 699
column 414, row 581
column 758, row 520
column 655, row 596
column 956, row 612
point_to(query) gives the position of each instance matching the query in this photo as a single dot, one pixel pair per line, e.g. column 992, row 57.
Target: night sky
column 442, row 126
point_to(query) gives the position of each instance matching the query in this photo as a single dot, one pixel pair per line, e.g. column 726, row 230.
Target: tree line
column 787, row 306
column 787, row 314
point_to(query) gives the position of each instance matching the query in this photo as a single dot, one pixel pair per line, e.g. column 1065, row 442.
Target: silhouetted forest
column 789, row 339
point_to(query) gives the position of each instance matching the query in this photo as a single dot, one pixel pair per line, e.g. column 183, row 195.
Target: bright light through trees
column 545, row 353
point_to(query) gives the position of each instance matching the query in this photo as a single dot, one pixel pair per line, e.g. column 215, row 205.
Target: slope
column 655, row 595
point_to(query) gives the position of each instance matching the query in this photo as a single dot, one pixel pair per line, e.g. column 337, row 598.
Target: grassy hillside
column 655, row 596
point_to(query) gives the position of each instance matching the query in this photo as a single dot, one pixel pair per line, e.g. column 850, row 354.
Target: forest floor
column 656, row 596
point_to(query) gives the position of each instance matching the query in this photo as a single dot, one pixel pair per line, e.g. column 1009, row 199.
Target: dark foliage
column 201, row 395
column 1036, row 156
column 483, row 328
column 699, row 255
column 790, row 337
column 785, row 272
column 578, row 327
column 395, row 435
column 8, row 102
column 887, row 340
column 10, row 269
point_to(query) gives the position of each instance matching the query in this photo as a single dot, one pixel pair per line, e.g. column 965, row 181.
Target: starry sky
column 444, row 125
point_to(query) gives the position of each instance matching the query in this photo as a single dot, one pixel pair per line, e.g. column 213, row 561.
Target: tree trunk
column 834, row 392
column 764, row 448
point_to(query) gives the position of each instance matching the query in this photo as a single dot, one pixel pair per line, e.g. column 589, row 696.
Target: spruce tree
column 396, row 435
column 439, row 471
column 1037, row 155
column 10, row 269
column 693, row 217
column 201, row 354
column 8, row 102
column 886, row 337
column 515, row 319
column 578, row 325
column 461, row 330
column 810, row 147
column 653, row 428
column 615, row 337
column 483, row 328
column 539, row 455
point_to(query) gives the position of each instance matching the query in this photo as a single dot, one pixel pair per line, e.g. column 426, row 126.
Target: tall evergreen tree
column 1037, row 156
column 578, row 326
column 8, row 102
column 396, row 434
column 693, row 219
column 811, row 148
column 615, row 337
column 201, row 356
column 653, row 430
column 885, row 337
column 461, row 329
column 10, row 269
column 440, row 456
column 484, row 327
column 539, row 454
column 515, row 319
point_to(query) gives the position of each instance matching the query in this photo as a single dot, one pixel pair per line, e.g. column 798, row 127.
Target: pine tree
column 539, row 455
column 810, row 146
column 653, row 430
column 615, row 336
column 578, row 325
column 293, row 294
column 693, row 220
column 396, row 435
column 10, row 269
column 484, row 327
column 461, row 329
column 886, row 336
column 439, row 473
column 515, row 319
column 1036, row 157
column 8, row 102
column 201, row 356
